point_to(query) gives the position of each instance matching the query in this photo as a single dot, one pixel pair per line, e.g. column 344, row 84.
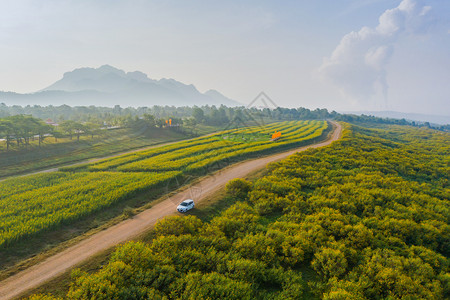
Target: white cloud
column 358, row 64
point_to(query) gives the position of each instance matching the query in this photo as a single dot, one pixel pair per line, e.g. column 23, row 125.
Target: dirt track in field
column 92, row 160
column 56, row 265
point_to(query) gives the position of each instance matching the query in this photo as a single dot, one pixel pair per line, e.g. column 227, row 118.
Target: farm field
column 365, row 218
column 39, row 203
column 66, row 151
column 201, row 154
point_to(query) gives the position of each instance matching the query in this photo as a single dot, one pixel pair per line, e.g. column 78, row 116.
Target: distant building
column 50, row 122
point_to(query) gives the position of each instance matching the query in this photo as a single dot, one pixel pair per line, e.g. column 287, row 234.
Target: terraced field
column 33, row 204
column 201, row 153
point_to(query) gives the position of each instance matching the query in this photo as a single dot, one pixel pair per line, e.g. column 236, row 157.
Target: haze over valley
column 109, row 86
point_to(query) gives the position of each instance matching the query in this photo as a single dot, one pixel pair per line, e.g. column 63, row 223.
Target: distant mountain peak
column 213, row 92
column 138, row 75
column 94, row 73
column 108, row 68
column 95, row 85
column 218, row 96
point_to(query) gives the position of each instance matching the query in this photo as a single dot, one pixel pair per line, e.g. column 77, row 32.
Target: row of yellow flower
column 311, row 134
column 33, row 204
column 110, row 163
column 270, row 128
column 56, row 202
column 158, row 162
column 21, row 184
column 170, row 161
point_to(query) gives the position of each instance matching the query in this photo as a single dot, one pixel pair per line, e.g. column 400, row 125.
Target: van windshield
column 184, row 204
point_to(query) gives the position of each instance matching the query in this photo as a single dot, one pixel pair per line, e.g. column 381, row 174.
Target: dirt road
column 56, row 265
column 92, row 160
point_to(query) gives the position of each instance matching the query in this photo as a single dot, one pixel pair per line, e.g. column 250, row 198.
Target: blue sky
column 301, row 53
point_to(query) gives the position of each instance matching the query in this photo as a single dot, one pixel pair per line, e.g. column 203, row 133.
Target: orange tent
column 276, row 135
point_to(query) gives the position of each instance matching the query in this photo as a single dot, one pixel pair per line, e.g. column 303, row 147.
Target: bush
column 178, row 225
column 238, row 188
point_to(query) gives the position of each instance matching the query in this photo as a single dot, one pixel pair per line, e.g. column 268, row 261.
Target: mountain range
column 109, row 86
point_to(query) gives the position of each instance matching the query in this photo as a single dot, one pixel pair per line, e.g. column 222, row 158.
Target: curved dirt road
column 56, row 265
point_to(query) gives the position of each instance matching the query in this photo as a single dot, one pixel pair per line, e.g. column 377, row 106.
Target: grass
column 66, row 151
column 52, row 154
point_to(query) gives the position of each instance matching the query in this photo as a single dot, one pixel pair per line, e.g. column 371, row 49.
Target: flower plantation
column 37, row 203
column 55, row 201
column 365, row 218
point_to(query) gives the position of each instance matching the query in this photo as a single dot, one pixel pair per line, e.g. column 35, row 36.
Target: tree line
column 209, row 115
column 212, row 115
column 19, row 125
column 365, row 120
column 20, row 130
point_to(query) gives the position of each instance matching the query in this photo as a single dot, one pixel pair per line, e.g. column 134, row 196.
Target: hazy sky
column 335, row 54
